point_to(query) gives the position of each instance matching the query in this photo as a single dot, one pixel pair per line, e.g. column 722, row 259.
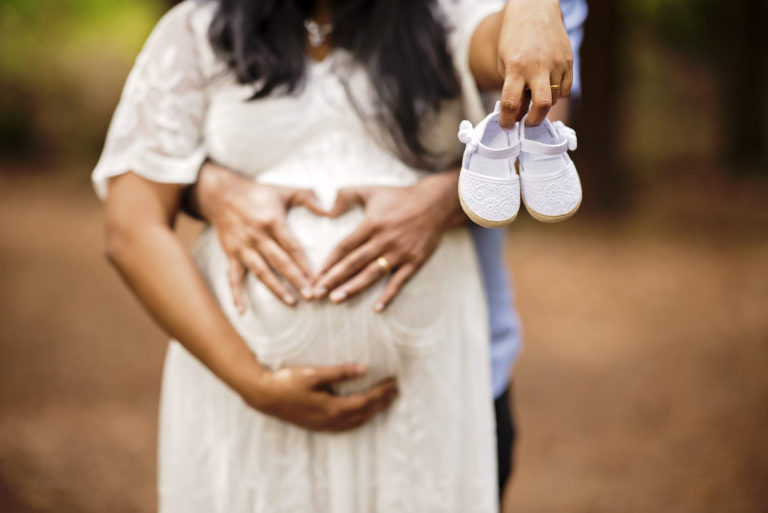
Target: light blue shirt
column 574, row 15
column 506, row 340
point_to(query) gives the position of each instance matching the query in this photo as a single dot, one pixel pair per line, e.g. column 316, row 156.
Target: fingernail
column 338, row 295
column 289, row 299
column 306, row 292
column 320, row 291
column 378, row 307
column 361, row 368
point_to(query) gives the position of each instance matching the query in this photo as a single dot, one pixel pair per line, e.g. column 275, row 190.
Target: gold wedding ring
column 555, row 86
column 384, row 264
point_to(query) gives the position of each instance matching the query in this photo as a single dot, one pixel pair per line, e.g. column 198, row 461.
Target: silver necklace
column 317, row 33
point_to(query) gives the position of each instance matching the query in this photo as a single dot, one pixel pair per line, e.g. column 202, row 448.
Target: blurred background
column 644, row 381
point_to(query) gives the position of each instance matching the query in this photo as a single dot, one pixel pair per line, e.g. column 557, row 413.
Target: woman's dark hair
column 400, row 43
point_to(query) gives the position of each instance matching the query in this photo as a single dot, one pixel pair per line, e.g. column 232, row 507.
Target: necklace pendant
column 317, row 33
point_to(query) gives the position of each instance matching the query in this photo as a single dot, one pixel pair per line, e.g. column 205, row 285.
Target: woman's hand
column 250, row 220
column 301, row 396
column 403, row 225
column 532, row 53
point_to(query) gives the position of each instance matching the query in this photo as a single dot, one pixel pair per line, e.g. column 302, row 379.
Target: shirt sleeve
column 462, row 18
column 157, row 128
column 574, row 15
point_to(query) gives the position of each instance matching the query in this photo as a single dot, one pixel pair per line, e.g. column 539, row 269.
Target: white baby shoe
column 489, row 188
column 550, row 185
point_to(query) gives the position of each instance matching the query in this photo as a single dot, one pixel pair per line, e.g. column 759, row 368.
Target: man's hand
column 532, row 53
column 402, row 224
column 300, row 395
column 250, row 219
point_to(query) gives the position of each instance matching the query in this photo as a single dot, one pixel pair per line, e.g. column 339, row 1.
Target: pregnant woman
column 301, row 97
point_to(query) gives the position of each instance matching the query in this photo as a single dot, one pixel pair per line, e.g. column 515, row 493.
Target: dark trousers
column 505, row 436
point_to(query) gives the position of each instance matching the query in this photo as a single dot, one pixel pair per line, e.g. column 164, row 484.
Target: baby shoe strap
column 468, row 135
column 538, row 148
column 567, row 142
column 503, row 153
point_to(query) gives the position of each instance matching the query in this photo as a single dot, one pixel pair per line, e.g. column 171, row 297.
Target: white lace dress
column 433, row 450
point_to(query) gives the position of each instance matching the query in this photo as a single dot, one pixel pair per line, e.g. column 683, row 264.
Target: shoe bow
column 468, row 136
column 567, row 133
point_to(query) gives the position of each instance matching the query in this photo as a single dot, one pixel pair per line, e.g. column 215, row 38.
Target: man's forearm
column 196, row 198
column 447, row 204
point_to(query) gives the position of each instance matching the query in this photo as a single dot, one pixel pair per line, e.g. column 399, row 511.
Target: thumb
column 308, row 199
column 324, row 376
column 236, row 278
column 346, row 198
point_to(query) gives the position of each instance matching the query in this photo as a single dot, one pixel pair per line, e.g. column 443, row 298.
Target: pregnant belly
column 322, row 333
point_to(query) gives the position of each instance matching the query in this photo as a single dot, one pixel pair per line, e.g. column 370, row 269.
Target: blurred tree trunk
column 743, row 78
column 604, row 177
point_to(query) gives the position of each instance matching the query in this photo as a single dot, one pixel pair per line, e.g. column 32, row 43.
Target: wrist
column 209, row 190
column 248, row 379
column 442, row 191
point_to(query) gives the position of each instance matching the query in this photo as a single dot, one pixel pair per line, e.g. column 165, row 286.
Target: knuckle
column 414, row 255
column 357, row 403
column 250, row 260
column 360, row 260
column 395, row 236
column 332, row 412
column 379, row 395
column 510, row 106
column 513, row 64
column 374, row 225
column 266, row 222
column 542, row 103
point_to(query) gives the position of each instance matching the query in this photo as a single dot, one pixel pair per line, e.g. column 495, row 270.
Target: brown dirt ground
column 643, row 386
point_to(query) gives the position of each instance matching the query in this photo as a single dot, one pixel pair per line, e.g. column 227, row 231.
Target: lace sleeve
column 462, row 18
column 157, row 128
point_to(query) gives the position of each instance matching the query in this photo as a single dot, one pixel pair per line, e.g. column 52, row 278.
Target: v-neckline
column 332, row 56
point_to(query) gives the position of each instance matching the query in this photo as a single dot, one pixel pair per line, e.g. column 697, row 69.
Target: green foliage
column 687, row 25
column 61, row 66
column 34, row 30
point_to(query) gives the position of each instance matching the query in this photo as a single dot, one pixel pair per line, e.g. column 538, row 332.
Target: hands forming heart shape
column 402, row 225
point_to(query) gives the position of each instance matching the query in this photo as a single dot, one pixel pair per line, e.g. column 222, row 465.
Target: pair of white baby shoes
column 489, row 186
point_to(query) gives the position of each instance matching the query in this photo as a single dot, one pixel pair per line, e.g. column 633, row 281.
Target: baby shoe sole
column 551, row 219
column 485, row 223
